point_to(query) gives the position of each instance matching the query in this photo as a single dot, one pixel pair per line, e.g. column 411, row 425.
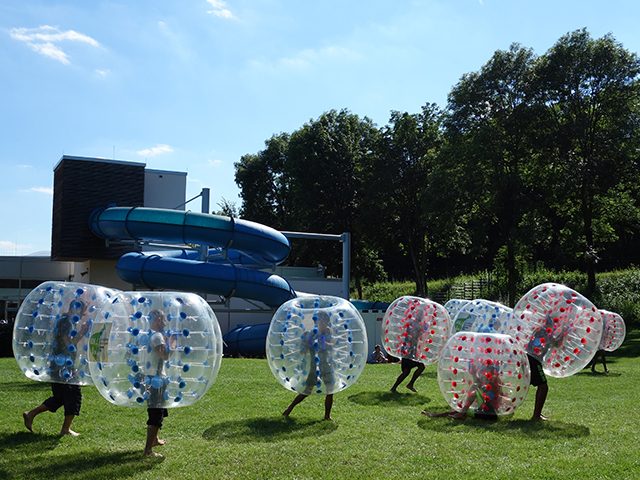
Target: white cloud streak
column 219, row 9
column 45, row 190
column 159, row 149
column 45, row 40
column 309, row 58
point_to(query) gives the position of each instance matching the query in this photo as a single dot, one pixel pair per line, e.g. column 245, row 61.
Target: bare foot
column 412, row 388
column 28, row 421
column 159, row 442
column 70, row 432
column 152, row 454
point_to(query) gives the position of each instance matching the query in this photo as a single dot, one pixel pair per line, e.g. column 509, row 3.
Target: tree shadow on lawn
column 268, row 429
column 389, row 399
column 27, row 386
column 35, row 460
column 521, row 428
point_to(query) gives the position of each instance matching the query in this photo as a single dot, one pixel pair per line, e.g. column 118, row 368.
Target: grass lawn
column 236, row 431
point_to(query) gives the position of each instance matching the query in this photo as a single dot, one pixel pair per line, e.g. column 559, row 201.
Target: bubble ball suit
column 559, row 327
column 483, row 372
column 51, row 331
column 416, row 328
column 614, row 331
column 317, row 344
column 155, row 349
column 483, row 316
column 453, row 306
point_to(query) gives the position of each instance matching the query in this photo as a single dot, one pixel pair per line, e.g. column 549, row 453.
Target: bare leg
column 300, row 397
column 328, row 403
column 66, row 426
column 31, row 414
column 400, row 379
column 416, row 374
column 541, row 397
column 152, row 437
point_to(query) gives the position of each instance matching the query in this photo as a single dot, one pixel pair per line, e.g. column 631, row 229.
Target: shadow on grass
column 80, row 466
column 26, row 387
column 629, row 348
column 389, row 399
column 268, row 429
column 31, row 443
column 589, row 373
column 521, row 428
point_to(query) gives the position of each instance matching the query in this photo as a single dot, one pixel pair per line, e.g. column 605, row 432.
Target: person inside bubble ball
column 486, row 391
column 160, row 347
column 377, row 356
column 594, row 361
column 63, row 356
column 543, row 338
column 319, row 340
column 408, row 364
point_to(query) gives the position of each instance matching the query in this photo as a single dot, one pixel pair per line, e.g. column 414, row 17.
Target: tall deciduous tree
column 488, row 120
column 398, row 193
column 324, row 167
column 263, row 184
column 590, row 92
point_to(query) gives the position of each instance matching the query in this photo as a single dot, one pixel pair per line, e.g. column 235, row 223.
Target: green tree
column 263, row 185
column 398, row 195
column 588, row 91
column 488, row 119
column 323, row 166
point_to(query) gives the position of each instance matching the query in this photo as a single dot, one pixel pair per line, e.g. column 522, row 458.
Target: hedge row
column 618, row 291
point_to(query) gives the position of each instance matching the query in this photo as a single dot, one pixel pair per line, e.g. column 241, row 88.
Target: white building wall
column 165, row 189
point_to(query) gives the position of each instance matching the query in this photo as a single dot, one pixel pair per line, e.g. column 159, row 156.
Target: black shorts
column 408, row 364
column 537, row 373
column 156, row 415
column 64, row 395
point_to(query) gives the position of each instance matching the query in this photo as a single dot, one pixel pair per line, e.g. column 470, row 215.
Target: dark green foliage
column 534, row 163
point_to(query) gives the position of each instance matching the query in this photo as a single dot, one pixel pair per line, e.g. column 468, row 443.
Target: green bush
column 618, row 291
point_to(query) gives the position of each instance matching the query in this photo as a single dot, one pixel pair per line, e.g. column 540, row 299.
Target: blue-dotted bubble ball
column 486, row 373
column 453, row 306
column 155, row 349
column 317, row 344
column 416, row 328
column 614, row 331
column 559, row 327
column 52, row 328
column 483, row 316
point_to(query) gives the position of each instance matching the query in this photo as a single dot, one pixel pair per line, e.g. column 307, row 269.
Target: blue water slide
column 237, row 242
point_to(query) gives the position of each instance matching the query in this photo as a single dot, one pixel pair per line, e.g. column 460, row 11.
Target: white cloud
column 45, row 39
column 309, row 58
column 8, row 247
column 215, row 163
column 102, row 72
column 219, row 9
column 159, row 149
column 45, row 190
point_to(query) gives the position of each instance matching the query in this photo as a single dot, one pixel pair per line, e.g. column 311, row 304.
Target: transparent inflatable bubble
column 317, row 344
column 483, row 372
column 155, row 349
column 559, row 327
column 416, row 328
column 51, row 331
column 453, row 306
column 614, row 331
column 483, row 316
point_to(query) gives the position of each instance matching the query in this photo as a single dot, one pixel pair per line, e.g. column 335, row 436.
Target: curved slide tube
column 178, row 269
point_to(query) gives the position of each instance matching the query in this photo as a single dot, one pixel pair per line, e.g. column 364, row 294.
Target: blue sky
column 192, row 85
